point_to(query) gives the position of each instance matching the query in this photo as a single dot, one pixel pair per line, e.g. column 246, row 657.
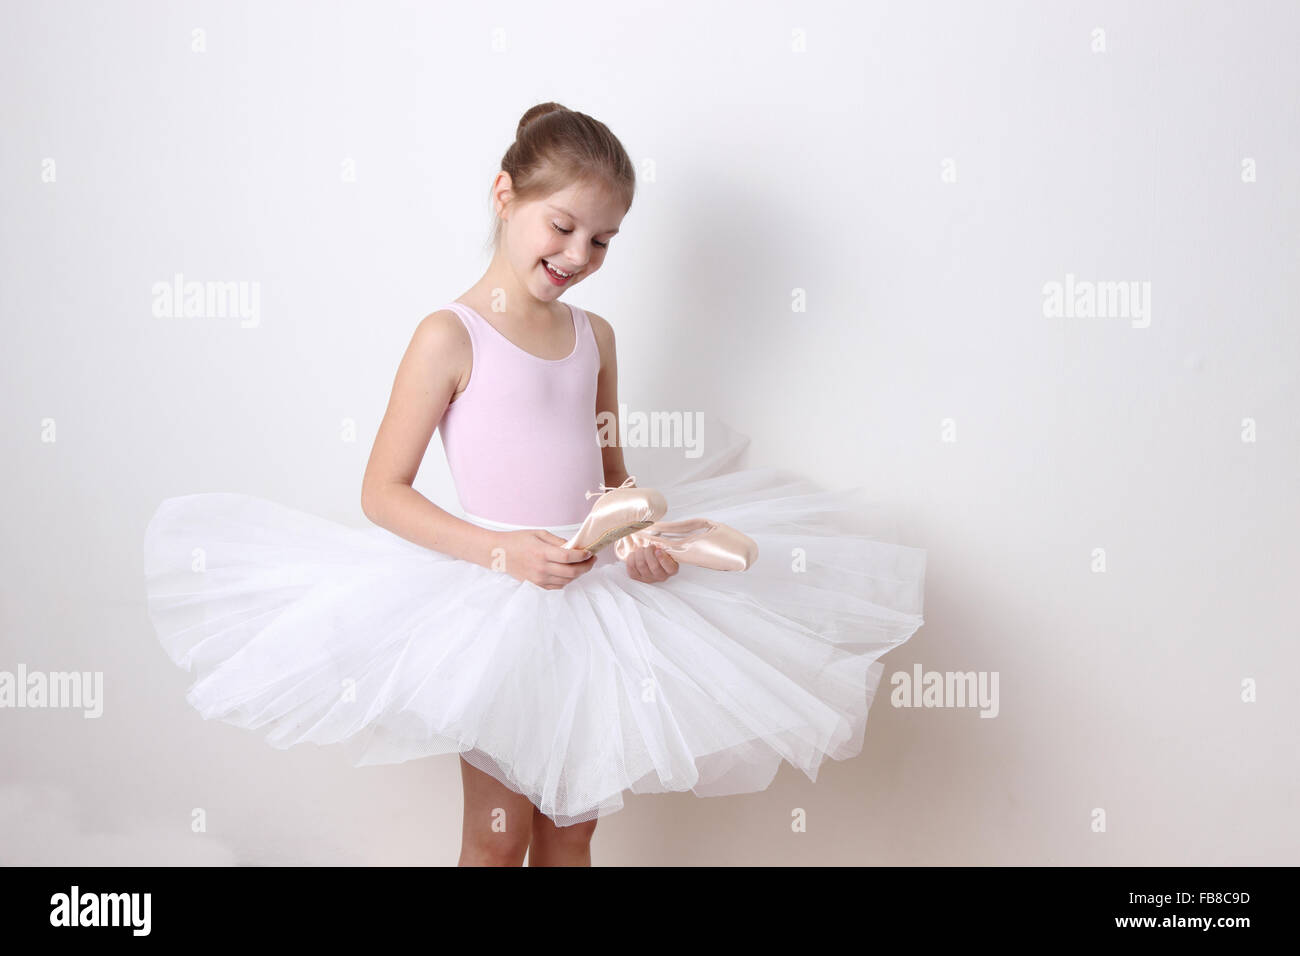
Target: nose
column 574, row 263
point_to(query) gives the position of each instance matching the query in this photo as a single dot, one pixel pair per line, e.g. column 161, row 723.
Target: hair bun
column 541, row 109
column 556, row 147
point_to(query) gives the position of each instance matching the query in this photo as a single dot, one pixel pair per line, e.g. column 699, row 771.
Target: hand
column 538, row 556
column 647, row 563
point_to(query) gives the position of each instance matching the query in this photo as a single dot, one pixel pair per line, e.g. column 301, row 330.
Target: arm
column 426, row 380
column 643, row 564
column 607, row 399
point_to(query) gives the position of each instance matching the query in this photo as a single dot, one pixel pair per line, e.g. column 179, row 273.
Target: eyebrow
column 572, row 216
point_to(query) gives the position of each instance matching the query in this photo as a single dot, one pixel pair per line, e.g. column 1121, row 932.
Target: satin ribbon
column 628, row 482
column 618, row 507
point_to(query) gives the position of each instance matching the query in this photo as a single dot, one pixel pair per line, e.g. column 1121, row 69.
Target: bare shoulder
column 600, row 325
column 604, row 334
column 442, row 330
column 442, row 338
column 441, row 350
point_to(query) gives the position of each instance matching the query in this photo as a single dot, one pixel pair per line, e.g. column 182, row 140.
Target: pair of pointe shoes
column 628, row 517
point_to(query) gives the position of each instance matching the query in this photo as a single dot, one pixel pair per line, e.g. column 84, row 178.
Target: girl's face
column 567, row 232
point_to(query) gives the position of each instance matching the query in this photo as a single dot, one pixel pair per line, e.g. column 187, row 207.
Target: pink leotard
column 521, row 439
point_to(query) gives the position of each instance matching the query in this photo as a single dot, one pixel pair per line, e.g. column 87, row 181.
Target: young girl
column 562, row 678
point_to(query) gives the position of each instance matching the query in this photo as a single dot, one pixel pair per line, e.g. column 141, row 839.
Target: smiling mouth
column 562, row 276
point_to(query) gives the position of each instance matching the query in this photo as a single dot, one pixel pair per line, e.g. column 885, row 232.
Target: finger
column 562, row 555
column 549, row 537
column 630, row 563
column 650, row 566
column 636, row 560
column 567, row 572
column 664, row 564
column 572, row 572
column 666, row 561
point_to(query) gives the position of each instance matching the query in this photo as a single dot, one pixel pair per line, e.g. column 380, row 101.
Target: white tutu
column 314, row 631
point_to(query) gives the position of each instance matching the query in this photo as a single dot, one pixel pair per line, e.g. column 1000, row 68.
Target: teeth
column 563, row 275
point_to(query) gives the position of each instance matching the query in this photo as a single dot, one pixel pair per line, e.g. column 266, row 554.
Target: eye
column 565, row 232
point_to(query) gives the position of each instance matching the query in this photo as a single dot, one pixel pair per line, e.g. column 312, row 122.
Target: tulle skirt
column 313, row 631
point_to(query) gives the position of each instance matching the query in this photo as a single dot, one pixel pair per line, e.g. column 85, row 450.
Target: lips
column 555, row 276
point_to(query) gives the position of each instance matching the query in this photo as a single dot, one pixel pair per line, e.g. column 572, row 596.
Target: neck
column 499, row 283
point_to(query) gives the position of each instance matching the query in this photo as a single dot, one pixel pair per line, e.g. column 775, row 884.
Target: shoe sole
column 613, row 534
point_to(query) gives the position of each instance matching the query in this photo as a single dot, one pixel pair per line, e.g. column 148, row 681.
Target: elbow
column 376, row 498
column 369, row 502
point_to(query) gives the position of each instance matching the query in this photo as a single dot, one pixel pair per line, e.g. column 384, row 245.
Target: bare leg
column 560, row 846
column 498, row 822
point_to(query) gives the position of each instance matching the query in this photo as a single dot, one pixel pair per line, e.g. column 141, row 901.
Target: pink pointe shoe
column 699, row 541
column 617, row 513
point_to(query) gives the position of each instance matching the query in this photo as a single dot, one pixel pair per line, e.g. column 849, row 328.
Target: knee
column 493, row 846
column 494, row 849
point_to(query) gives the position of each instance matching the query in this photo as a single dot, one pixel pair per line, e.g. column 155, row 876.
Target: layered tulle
column 312, row 631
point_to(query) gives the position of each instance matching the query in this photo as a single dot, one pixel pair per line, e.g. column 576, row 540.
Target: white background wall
column 772, row 170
